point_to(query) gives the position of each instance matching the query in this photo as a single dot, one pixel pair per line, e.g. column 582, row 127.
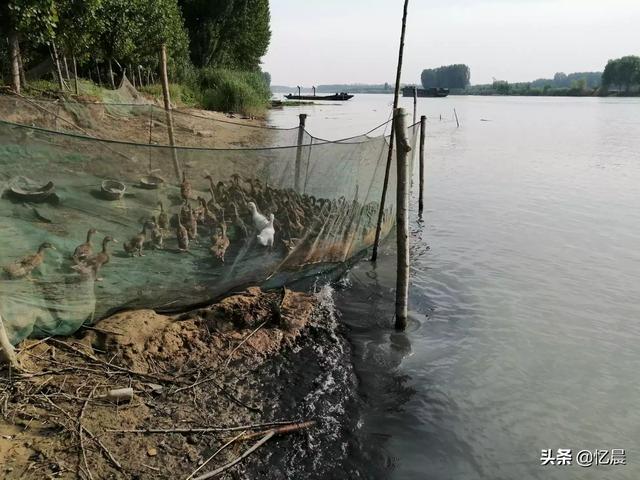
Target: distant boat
column 426, row 92
column 336, row 97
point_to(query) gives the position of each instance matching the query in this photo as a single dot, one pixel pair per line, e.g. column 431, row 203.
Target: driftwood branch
column 294, row 427
column 205, row 429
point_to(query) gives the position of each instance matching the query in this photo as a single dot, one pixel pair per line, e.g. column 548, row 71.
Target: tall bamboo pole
column 374, row 255
column 167, row 108
column 298, row 167
column 415, row 104
column 423, row 126
column 402, row 218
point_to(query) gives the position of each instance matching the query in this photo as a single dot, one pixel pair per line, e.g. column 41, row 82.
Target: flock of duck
column 297, row 215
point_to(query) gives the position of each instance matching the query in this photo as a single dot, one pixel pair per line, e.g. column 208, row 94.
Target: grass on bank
column 220, row 90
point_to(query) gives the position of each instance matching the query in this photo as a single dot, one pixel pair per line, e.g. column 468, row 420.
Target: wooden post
column 402, row 218
column 374, row 255
column 456, row 114
column 415, row 104
column 75, row 75
column 298, row 170
column 423, row 126
column 167, row 108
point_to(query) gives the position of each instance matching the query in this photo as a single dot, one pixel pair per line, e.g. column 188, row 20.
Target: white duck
column 265, row 238
column 259, row 220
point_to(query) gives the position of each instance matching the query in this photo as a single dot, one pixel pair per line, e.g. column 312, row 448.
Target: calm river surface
column 525, row 295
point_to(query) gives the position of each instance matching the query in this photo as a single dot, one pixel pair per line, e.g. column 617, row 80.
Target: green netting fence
column 58, row 183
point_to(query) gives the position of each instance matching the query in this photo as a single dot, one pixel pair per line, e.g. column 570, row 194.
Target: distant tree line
column 100, row 36
column 562, row 80
column 621, row 76
column 622, row 73
column 449, row 76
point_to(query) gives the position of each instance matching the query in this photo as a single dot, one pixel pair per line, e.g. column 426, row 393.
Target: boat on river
column 426, row 92
column 341, row 97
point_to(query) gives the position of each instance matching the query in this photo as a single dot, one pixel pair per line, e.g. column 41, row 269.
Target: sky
column 356, row 41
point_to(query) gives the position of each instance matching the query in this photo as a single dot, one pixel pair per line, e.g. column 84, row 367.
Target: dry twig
column 214, row 454
column 218, row 471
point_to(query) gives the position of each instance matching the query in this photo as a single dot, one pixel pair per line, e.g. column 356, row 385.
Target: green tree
column 450, row 76
column 227, row 33
column 622, row 72
column 34, row 19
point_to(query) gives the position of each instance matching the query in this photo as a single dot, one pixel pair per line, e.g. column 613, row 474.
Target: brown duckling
column 84, row 250
column 163, row 218
column 183, row 236
column 220, row 242
column 26, row 265
column 240, row 227
column 136, row 243
column 208, row 217
column 157, row 237
column 213, row 204
column 185, row 187
column 100, row 259
column 192, row 223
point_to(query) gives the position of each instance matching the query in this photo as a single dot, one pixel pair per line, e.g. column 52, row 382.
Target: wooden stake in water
column 167, row 109
column 298, row 170
column 415, row 104
column 374, row 255
column 423, row 126
column 402, row 218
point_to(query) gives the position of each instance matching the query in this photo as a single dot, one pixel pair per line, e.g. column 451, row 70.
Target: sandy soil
column 130, row 123
column 195, row 370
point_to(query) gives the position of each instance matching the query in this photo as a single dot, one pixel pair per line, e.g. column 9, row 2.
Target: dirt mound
column 193, row 377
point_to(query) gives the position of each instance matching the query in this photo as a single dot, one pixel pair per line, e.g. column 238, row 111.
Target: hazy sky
column 348, row 41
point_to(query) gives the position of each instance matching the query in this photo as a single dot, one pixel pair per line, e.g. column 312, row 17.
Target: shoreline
column 246, row 340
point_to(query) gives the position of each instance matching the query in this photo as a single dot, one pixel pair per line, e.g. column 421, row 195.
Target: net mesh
column 58, row 184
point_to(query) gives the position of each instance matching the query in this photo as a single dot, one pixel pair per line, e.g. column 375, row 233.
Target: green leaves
column 227, row 33
column 35, row 18
column 622, row 72
column 450, row 76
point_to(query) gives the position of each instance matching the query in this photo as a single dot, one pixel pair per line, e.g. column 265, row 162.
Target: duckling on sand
column 26, row 265
column 157, row 237
column 220, row 242
column 99, row 260
column 163, row 218
column 183, row 236
column 136, row 243
column 84, row 250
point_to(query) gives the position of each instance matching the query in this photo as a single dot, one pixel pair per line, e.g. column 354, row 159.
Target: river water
column 525, row 294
